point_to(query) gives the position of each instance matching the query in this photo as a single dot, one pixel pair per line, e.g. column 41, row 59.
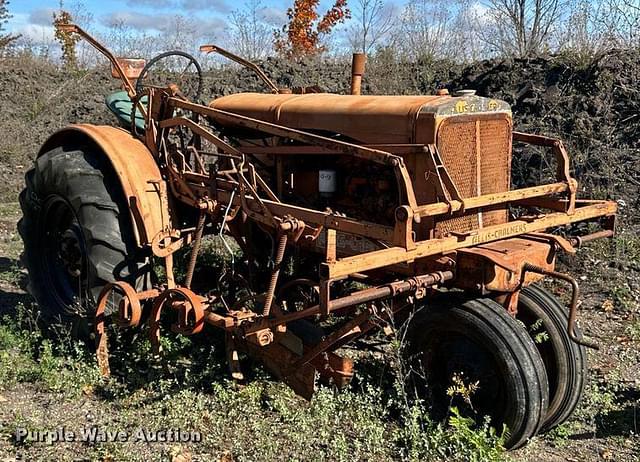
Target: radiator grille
column 477, row 154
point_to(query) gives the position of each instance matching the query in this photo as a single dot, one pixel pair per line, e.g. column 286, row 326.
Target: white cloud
column 139, row 21
column 31, row 32
column 36, row 33
column 206, row 6
column 165, row 23
column 41, row 16
column 153, row 3
column 274, row 16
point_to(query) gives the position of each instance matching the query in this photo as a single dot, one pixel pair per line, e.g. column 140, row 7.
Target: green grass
column 263, row 420
column 11, row 274
column 633, row 330
column 10, row 242
column 59, row 365
column 10, row 210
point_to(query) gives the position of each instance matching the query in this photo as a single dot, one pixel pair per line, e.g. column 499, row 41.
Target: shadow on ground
column 624, row 421
column 12, row 294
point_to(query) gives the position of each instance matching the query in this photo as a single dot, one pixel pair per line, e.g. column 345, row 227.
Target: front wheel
column 471, row 354
column 565, row 361
column 77, row 234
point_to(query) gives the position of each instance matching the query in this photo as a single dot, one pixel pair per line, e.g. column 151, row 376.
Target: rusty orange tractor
column 351, row 214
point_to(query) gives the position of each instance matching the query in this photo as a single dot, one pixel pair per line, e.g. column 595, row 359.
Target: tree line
column 418, row 30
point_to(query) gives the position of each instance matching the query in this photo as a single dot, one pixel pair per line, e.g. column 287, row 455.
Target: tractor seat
column 121, row 105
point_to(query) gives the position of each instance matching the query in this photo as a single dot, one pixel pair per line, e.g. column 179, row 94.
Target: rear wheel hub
column 64, row 250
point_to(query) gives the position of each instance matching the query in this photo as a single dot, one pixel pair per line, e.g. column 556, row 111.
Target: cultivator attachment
column 292, row 348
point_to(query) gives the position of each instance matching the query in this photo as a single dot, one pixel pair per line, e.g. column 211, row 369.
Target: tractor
column 345, row 216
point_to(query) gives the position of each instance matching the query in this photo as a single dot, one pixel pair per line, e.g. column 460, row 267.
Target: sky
column 32, row 18
column 200, row 20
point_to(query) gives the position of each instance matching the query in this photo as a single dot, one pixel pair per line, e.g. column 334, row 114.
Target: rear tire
column 77, row 234
column 565, row 361
column 478, row 339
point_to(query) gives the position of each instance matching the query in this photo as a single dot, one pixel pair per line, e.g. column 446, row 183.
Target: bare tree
column 424, row 29
column 582, row 33
column 521, row 28
column 464, row 41
column 251, row 35
column 181, row 33
column 622, row 22
column 86, row 54
column 124, row 40
column 372, row 22
column 5, row 39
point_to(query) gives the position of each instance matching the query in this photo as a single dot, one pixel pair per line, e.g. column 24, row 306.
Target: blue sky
column 32, row 18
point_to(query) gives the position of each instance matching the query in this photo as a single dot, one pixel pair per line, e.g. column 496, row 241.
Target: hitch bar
column 573, row 307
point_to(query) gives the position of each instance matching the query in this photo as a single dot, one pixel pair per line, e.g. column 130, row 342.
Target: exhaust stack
column 357, row 71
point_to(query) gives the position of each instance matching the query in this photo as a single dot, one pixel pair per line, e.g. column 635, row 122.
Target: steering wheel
column 173, row 67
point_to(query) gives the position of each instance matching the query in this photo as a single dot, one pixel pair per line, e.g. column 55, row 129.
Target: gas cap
column 465, row 93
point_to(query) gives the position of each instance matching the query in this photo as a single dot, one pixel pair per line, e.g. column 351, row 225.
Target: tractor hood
column 366, row 119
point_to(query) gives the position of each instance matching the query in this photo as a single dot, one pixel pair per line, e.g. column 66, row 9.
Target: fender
column 135, row 167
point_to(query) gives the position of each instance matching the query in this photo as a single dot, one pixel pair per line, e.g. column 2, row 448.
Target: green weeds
column 263, row 420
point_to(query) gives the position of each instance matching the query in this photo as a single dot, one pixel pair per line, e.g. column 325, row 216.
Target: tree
column 521, row 28
column 581, row 33
column 5, row 39
column 463, row 42
column 622, row 22
column 82, row 16
column 373, row 21
column 302, row 35
column 250, row 33
column 425, row 29
column 66, row 40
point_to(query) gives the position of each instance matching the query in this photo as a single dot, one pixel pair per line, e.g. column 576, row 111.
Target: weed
column 627, row 247
column 26, row 355
column 462, row 389
column 623, row 296
column 461, row 439
column 598, row 400
column 9, row 210
column 560, row 434
column 12, row 274
column 633, row 330
column 36, row 108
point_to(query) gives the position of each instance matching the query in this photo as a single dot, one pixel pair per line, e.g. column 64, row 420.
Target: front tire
column 478, row 341
column 77, row 234
column 565, row 361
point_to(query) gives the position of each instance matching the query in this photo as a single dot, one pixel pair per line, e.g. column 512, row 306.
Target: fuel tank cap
column 465, row 93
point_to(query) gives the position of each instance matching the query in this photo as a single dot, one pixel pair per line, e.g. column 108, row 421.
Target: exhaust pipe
column 357, row 71
column 573, row 307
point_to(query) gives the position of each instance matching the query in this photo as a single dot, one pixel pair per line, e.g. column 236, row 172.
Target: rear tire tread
column 85, row 179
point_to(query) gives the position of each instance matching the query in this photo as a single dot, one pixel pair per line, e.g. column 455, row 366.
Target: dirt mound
column 331, row 77
column 39, row 99
column 592, row 107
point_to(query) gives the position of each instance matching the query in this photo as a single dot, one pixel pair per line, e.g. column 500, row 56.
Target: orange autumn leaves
column 66, row 40
column 302, row 35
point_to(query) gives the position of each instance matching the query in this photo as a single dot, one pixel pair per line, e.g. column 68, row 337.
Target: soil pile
column 593, row 107
column 38, row 99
